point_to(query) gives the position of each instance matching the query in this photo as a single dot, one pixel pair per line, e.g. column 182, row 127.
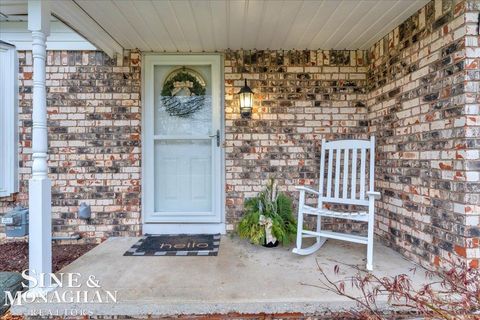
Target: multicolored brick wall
column 94, row 120
column 300, row 98
column 94, row 130
column 416, row 90
column 471, row 203
column 425, row 116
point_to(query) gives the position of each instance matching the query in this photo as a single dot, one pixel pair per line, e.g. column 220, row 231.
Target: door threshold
column 183, row 228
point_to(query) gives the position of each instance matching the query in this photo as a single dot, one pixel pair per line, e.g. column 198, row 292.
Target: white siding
column 61, row 37
column 210, row 25
column 8, row 120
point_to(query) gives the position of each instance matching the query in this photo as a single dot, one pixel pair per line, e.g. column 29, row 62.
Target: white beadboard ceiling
column 215, row 25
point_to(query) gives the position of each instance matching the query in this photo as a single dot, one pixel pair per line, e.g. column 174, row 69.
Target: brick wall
column 417, row 109
column 94, row 130
column 471, row 202
column 94, row 120
column 416, row 90
column 300, row 98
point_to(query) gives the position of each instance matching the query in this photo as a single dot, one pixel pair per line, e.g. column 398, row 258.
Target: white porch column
column 39, row 192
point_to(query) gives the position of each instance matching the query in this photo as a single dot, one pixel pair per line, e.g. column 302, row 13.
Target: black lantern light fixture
column 246, row 101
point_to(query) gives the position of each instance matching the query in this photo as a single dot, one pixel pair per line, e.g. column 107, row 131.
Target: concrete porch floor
column 242, row 279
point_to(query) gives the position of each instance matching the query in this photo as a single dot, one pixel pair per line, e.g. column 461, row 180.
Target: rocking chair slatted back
column 344, row 174
column 350, row 181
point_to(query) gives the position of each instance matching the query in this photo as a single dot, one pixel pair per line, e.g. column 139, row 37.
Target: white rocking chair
column 347, row 194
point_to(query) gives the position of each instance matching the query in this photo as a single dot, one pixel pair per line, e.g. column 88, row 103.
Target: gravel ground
column 14, row 255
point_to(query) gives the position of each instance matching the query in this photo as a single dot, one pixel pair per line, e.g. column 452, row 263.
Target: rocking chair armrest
column 303, row 188
column 373, row 194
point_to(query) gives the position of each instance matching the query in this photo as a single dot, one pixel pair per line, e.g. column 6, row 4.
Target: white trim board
column 61, row 37
column 8, row 120
column 80, row 21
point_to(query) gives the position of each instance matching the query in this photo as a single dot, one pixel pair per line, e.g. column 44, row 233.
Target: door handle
column 217, row 136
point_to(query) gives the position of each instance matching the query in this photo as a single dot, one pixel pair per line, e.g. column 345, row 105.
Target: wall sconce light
column 246, row 101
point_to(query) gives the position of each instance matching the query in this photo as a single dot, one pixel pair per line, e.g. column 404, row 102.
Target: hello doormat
column 176, row 245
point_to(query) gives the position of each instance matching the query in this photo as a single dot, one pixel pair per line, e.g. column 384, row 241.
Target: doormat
column 176, row 245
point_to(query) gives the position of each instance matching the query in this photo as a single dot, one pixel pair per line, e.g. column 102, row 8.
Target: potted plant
column 268, row 218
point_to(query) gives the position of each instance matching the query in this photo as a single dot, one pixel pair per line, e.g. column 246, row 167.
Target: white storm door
column 182, row 132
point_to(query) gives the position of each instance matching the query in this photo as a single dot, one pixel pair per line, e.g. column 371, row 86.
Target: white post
column 301, row 203
column 39, row 192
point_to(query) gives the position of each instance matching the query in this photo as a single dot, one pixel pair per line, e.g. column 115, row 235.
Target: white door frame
column 162, row 225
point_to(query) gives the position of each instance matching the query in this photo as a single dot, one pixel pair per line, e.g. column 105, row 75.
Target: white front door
column 182, row 173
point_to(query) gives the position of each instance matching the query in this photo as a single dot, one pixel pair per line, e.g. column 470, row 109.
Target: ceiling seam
column 343, row 23
column 261, row 24
column 361, row 19
column 152, row 33
column 196, row 25
column 133, row 27
column 392, row 28
column 212, row 25
column 310, row 23
column 244, row 20
column 227, row 17
column 164, row 26
column 147, row 25
column 98, row 24
column 318, row 32
column 179, row 25
column 276, row 24
column 293, row 21
column 376, row 22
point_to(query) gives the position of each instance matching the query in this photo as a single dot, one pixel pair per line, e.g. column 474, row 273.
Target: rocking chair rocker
column 344, row 192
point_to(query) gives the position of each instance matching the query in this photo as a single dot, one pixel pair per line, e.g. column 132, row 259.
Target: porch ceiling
column 215, row 25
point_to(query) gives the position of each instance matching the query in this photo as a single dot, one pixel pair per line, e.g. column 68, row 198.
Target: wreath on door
column 183, row 92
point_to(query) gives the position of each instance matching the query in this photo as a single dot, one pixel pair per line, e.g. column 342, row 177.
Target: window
column 8, row 120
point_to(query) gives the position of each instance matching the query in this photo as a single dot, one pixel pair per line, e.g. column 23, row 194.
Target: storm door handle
column 217, row 136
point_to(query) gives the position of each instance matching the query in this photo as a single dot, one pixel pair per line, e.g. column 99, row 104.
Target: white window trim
column 8, row 120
